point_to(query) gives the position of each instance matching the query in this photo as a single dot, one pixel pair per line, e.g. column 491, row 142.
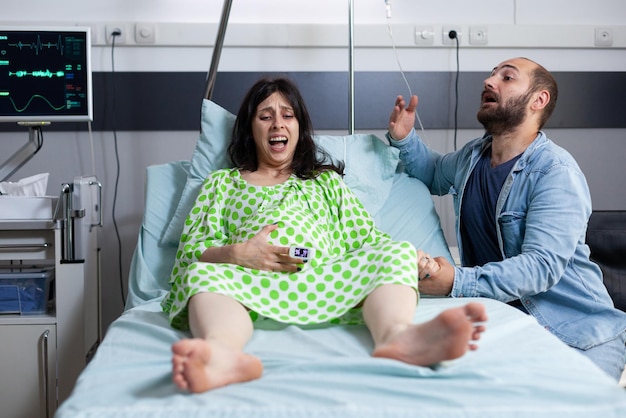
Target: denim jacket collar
column 521, row 163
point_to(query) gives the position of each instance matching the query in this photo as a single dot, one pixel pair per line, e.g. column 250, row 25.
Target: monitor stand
column 26, row 152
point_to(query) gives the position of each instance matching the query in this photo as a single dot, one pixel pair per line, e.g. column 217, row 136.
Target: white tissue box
column 26, row 207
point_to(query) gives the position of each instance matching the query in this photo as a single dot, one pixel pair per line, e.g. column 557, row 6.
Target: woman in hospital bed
column 234, row 265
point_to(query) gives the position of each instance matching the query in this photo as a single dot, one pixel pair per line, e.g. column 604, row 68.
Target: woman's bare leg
column 388, row 312
column 221, row 328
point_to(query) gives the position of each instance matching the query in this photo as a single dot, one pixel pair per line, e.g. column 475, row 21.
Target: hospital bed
column 519, row 370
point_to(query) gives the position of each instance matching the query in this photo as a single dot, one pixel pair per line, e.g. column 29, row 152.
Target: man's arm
column 538, row 241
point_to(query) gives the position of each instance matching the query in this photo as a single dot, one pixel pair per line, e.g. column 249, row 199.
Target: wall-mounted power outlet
column 478, row 35
column 116, row 28
column 424, row 35
column 445, row 35
column 145, row 33
column 603, row 37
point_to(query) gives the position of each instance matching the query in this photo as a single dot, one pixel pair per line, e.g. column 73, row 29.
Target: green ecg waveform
column 37, row 73
column 38, row 45
column 33, row 97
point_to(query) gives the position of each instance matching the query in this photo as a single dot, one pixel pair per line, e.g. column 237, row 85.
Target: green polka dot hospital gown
column 351, row 257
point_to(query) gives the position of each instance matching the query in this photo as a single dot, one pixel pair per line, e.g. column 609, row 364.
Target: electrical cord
column 91, row 144
column 453, row 35
column 115, row 34
column 39, row 139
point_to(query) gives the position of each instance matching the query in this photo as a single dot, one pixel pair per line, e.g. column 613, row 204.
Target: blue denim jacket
column 542, row 215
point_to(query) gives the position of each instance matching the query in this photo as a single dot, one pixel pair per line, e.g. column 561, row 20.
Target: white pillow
column 369, row 172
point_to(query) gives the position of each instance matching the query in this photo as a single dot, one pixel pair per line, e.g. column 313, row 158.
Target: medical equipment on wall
column 46, row 78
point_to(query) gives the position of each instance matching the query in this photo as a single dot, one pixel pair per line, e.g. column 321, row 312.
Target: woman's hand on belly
column 258, row 253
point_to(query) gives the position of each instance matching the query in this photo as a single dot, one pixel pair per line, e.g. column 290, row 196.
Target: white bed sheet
column 520, row 369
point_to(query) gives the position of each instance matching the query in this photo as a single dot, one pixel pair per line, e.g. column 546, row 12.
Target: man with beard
column 522, row 206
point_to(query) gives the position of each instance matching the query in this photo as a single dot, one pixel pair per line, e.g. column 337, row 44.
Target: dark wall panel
column 170, row 101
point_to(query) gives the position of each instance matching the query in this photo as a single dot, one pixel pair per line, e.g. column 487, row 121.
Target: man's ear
column 540, row 100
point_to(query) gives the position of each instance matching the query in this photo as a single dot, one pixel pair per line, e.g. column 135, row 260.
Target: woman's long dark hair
column 308, row 160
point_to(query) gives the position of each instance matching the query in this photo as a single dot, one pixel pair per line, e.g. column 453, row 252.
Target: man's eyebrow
column 511, row 66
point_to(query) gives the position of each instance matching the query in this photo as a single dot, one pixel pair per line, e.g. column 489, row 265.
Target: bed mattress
column 520, row 370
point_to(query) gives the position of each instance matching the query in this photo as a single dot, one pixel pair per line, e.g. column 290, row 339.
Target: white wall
column 600, row 152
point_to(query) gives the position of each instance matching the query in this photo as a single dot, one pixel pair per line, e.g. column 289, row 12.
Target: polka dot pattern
column 351, row 256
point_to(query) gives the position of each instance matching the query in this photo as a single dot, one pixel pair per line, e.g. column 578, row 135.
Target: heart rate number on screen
column 303, row 253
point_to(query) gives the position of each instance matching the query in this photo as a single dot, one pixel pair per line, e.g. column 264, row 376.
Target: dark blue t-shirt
column 478, row 211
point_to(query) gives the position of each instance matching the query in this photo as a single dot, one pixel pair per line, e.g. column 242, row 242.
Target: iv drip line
column 393, row 46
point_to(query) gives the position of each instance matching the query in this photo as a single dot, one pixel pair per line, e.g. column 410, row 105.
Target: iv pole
column 217, row 50
column 351, row 67
column 219, row 43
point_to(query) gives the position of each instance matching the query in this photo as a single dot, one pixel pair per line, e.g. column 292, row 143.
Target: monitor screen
column 45, row 74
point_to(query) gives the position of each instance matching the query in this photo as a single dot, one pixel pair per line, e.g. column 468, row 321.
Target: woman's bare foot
column 199, row 365
column 446, row 337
